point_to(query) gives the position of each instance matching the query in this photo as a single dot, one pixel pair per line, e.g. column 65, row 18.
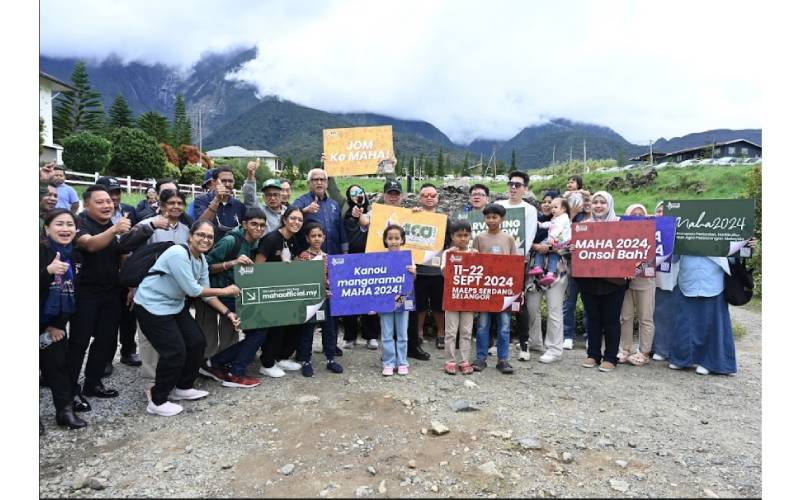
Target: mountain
column 534, row 145
column 702, row 138
column 484, row 147
column 154, row 87
column 289, row 129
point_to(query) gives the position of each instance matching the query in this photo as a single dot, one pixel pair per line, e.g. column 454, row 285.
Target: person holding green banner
column 163, row 313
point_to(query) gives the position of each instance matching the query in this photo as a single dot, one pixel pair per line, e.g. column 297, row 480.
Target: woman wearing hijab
column 664, row 314
column 640, row 298
column 57, row 273
column 356, row 227
column 602, row 299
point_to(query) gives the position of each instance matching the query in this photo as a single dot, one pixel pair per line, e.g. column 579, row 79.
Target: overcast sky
column 472, row 68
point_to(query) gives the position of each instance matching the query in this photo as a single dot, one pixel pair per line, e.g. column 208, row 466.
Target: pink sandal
column 450, row 368
column 638, row 359
column 466, row 367
column 623, row 356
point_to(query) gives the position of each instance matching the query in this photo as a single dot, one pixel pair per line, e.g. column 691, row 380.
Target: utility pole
column 651, row 151
column 554, row 155
column 585, row 166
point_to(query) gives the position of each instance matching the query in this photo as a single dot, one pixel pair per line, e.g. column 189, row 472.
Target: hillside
column 701, row 138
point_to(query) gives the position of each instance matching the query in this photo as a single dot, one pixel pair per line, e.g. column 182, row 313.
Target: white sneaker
column 274, row 372
column 493, row 351
column 674, row 367
column 349, row 344
column 567, row 344
column 178, row 394
column 700, row 370
column 658, row 357
column 289, row 365
column 548, row 358
column 167, row 409
column 524, row 355
column 372, row 344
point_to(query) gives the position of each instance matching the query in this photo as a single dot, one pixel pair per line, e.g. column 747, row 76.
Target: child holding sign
column 458, row 322
column 558, row 236
column 395, row 323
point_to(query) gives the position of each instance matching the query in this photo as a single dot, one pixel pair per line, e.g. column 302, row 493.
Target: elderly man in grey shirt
column 270, row 189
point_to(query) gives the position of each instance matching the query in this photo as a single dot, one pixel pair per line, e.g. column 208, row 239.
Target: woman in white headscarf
column 602, row 299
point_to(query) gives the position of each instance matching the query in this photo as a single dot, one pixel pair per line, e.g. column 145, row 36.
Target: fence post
column 129, row 184
column 96, row 176
column 192, row 190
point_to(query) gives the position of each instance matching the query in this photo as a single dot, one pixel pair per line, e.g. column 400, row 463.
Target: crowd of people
column 179, row 321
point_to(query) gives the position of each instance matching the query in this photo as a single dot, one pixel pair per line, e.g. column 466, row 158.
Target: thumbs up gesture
column 123, row 225
column 57, row 267
column 252, row 166
column 313, row 207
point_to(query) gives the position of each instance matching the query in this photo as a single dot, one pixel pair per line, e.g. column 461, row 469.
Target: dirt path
column 646, row 431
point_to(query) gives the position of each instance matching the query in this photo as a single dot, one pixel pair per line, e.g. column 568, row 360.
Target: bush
column 192, row 174
column 171, row 155
column 171, row 171
column 87, row 152
column 135, row 153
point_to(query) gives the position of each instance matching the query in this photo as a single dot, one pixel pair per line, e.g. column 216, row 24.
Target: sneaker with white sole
column 567, row 344
column 274, row 371
column 524, row 355
column 675, row 367
column 372, row 344
column 349, row 344
column 658, row 357
column 700, row 370
column 493, row 351
column 167, row 409
column 548, row 358
column 190, row 394
column 289, row 365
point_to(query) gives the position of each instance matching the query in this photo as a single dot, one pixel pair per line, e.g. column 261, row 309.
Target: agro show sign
column 715, row 228
column 483, row 282
column 425, row 232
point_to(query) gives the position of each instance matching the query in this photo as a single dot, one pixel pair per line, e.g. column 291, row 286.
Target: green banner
column 513, row 224
column 280, row 293
column 711, row 227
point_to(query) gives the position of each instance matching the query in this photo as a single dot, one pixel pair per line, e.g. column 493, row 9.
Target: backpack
column 739, row 285
column 137, row 266
column 238, row 239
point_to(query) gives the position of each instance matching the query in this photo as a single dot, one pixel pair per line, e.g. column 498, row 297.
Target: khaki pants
column 219, row 332
column 457, row 323
column 554, row 339
column 643, row 301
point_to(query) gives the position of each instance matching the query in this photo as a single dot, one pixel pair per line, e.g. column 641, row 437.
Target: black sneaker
column 478, row 365
column 504, row 367
column 419, row 354
column 333, row 366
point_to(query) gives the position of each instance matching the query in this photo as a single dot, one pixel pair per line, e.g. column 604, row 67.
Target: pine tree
column 181, row 132
column 429, row 170
column 79, row 110
column 513, row 159
column 119, row 114
column 465, row 166
column 440, row 164
column 448, row 166
column 155, row 124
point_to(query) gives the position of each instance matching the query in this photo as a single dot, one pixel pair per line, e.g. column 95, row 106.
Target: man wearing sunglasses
column 517, row 189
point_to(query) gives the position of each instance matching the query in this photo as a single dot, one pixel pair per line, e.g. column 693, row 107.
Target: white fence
column 131, row 185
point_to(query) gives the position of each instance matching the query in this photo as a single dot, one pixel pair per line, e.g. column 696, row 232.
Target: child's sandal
column 466, row 367
column 638, row 359
column 623, row 356
column 450, row 368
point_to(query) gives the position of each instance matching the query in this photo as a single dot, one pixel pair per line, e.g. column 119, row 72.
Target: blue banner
column 370, row 282
column 665, row 239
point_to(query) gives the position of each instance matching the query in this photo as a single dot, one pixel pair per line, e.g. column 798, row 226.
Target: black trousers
column 522, row 326
column 370, row 326
column 603, row 315
column 127, row 329
column 97, row 316
column 413, row 336
column 54, row 363
column 180, row 345
column 281, row 343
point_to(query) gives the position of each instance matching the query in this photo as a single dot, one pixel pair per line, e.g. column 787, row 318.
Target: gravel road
column 547, row 430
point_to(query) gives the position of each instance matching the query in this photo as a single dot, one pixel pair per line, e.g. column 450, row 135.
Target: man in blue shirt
column 219, row 206
column 67, row 197
column 317, row 206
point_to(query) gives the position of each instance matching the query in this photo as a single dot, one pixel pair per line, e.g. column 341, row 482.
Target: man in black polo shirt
column 127, row 320
column 98, row 309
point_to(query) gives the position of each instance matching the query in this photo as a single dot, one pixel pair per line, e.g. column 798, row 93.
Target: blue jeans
column 242, row 353
column 503, row 335
column 394, row 353
column 328, row 336
column 570, row 303
column 552, row 261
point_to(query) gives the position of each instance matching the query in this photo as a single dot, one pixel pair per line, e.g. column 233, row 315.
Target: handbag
column 739, row 284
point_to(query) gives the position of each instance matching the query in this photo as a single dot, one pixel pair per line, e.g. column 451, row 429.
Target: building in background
column 269, row 159
column 49, row 88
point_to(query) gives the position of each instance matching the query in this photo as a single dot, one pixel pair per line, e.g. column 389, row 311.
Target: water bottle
column 45, row 340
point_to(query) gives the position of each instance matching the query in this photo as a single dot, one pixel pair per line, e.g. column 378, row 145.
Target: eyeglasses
column 319, row 179
column 478, row 194
column 257, row 224
column 515, row 185
column 272, row 195
column 428, row 195
column 356, row 192
column 204, row 236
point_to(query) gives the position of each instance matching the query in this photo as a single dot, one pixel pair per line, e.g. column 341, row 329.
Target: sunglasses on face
column 356, row 192
column 515, row 185
column 428, row 195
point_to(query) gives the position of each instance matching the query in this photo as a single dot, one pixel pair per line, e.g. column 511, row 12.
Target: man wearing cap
column 208, row 179
column 272, row 193
column 219, row 206
column 127, row 320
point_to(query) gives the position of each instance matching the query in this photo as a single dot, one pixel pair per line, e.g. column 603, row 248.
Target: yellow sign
column 356, row 151
column 425, row 232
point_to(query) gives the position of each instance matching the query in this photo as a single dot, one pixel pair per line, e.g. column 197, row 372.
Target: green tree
column 289, row 172
column 440, row 164
column 513, row 159
column 135, row 153
column 448, row 166
column 86, row 152
column 192, row 174
column 119, row 114
column 181, row 132
column 79, row 110
column 171, row 171
column 154, row 124
column 430, row 171
column 465, row 165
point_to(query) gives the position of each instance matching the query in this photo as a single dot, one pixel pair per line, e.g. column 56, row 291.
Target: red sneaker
column 232, row 380
column 212, row 372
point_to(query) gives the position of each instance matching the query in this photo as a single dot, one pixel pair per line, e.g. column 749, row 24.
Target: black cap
column 392, row 186
column 110, row 183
